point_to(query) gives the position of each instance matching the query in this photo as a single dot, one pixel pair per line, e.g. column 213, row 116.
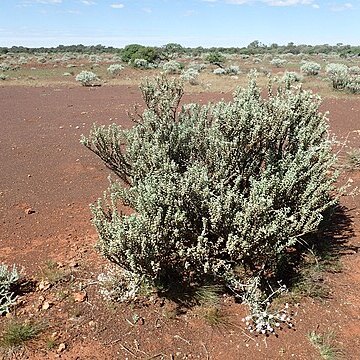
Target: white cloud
column 341, row 7
column 26, row 3
column 189, row 13
column 279, row 3
column 117, row 6
column 147, row 10
column 88, row 2
column 288, row 2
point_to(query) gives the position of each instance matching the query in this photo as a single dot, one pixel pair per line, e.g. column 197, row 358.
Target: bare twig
column 128, row 350
column 206, row 351
column 181, row 338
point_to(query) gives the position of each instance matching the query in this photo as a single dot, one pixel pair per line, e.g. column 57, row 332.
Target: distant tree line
column 129, row 52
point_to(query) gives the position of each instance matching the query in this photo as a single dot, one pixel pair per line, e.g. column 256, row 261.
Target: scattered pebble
column 46, row 305
column 80, row 296
column 29, row 211
column 61, row 348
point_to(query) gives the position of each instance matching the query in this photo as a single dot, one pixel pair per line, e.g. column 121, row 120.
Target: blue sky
column 193, row 23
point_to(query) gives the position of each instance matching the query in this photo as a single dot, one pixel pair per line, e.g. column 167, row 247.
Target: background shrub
column 291, row 77
column 115, row 69
column 353, row 85
column 190, row 75
column 310, row 68
column 172, row 67
column 213, row 187
column 86, row 78
column 278, row 62
column 338, row 74
column 219, row 71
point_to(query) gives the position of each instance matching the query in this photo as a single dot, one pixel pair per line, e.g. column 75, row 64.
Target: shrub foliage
column 213, row 187
column 8, row 279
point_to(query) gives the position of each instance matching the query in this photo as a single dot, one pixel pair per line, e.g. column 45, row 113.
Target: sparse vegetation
column 8, row 279
column 17, row 333
column 87, row 78
column 115, row 69
column 338, row 74
column 353, row 159
column 325, row 344
column 310, row 68
column 207, row 197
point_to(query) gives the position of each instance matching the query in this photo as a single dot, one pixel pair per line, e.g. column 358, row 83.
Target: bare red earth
column 47, row 181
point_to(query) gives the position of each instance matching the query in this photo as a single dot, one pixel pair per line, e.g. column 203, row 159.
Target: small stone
column 61, row 348
column 46, row 305
column 29, row 211
column 80, row 296
column 92, row 323
column 43, row 285
column 73, row 264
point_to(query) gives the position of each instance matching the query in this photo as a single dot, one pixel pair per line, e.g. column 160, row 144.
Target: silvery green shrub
column 141, row 63
column 213, row 187
column 291, row 77
column 338, row 74
column 310, row 68
column 86, row 78
column 3, row 77
column 353, row 85
column 8, row 279
column 115, row 69
column 95, row 58
column 5, row 66
column 197, row 66
column 354, row 70
column 190, row 75
column 219, row 71
column 278, row 62
column 172, row 67
column 232, row 70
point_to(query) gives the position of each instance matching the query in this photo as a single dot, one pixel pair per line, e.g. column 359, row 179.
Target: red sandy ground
column 45, row 168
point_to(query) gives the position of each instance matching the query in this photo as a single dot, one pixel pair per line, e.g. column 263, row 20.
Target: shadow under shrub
column 213, row 187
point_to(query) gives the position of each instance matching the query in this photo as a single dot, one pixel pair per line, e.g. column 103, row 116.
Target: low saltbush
column 338, row 74
column 115, row 69
column 219, row 191
column 190, row 75
column 310, row 68
column 8, row 279
column 86, row 78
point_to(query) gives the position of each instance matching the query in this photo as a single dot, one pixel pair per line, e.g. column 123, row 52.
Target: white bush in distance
column 86, row 78
column 338, row 74
column 141, row 63
column 115, row 69
column 219, row 71
column 172, row 67
column 310, row 68
column 190, row 75
column 291, row 77
column 278, row 62
column 354, row 70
